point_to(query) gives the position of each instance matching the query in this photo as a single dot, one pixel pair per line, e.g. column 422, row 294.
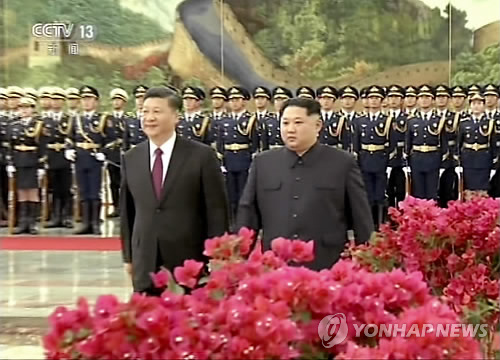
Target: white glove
column 492, row 173
column 100, row 156
column 460, row 169
column 70, row 154
column 388, row 171
column 441, row 171
column 223, row 169
column 407, row 170
column 41, row 173
column 10, row 170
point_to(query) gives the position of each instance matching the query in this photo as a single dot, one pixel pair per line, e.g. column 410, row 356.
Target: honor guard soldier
column 371, row 146
column 193, row 124
column 426, row 146
column 114, row 146
column 410, row 101
column 14, row 94
column 139, row 91
column 336, row 129
column 85, row 145
column 237, row 141
column 270, row 130
column 396, row 187
column 33, row 94
column 476, row 146
column 55, row 130
column 458, row 101
column 73, row 101
column 262, row 97
column 26, row 163
column 45, row 98
column 491, row 96
column 305, row 92
column 4, row 121
column 134, row 133
column 448, row 182
column 348, row 95
column 363, row 93
column 218, row 97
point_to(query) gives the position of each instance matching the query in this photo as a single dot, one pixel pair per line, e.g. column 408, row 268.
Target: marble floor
column 33, row 283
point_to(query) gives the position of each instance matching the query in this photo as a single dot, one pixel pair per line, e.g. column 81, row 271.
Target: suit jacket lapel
column 145, row 168
column 178, row 159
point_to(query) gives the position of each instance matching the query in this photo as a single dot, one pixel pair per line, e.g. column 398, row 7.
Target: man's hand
column 100, row 156
column 128, row 268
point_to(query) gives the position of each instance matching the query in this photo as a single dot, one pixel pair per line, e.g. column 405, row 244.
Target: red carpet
column 60, row 243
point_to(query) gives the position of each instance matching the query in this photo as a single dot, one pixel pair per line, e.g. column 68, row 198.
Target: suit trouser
column 375, row 184
column 4, row 189
column 396, row 188
column 425, row 184
column 476, row 179
column 115, row 178
column 235, row 183
column 89, row 182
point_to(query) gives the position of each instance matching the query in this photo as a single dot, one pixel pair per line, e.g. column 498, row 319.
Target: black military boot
column 23, row 227
column 67, row 213
column 56, row 220
column 96, row 218
column 86, row 228
column 33, row 212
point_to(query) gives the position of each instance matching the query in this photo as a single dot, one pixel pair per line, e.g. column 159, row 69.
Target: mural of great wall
column 210, row 44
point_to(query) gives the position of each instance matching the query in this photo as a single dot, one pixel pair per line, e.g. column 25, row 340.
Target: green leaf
column 69, row 337
column 217, row 295
column 302, row 316
column 83, row 334
column 203, row 280
column 175, row 288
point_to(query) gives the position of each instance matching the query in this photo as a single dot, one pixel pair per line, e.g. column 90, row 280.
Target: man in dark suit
column 306, row 190
column 172, row 195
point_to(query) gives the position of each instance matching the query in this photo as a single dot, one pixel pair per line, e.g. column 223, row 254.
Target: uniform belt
column 400, row 144
column 25, row 148
column 236, row 147
column 425, row 148
column 56, row 146
column 476, row 146
column 87, row 145
column 372, row 147
column 5, row 144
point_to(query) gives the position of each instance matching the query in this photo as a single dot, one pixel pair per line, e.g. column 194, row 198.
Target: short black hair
column 312, row 106
column 174, row 100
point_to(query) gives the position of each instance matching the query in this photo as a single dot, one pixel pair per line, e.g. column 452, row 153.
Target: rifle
column 460, row 177
column 12, row 203
column 105, row 177
column 76, row 196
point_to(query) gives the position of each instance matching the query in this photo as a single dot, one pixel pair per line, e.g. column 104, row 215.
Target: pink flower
column 161, row 278
column 302, row 251
column 247, row 237
column 106, row 305
column 283, row 248
column 187, row 274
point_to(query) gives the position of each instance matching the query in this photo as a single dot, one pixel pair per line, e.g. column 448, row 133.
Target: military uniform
column 448, row 182
column 396, row 186
column 89, row 137
column 237, row 141
column 55, row 130
column 4, row 121
column 336, row 129
column 494, row 115
column 476, row 149
column 194, row 126
column 134, row 133
column 371, row 147
column 350, row 116
column 426, row 149
column 217, row 92
column 270, row 125
column 26, row 155
column 410, row 92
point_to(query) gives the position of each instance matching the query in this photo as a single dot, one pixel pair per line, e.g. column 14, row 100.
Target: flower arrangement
column 455, row 248
column 256, row 304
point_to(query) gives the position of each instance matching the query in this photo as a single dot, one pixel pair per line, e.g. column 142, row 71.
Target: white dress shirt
column 166, row 148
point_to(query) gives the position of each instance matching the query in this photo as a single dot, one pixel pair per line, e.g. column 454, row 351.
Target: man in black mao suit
column 306, row 190
column 172, row 195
